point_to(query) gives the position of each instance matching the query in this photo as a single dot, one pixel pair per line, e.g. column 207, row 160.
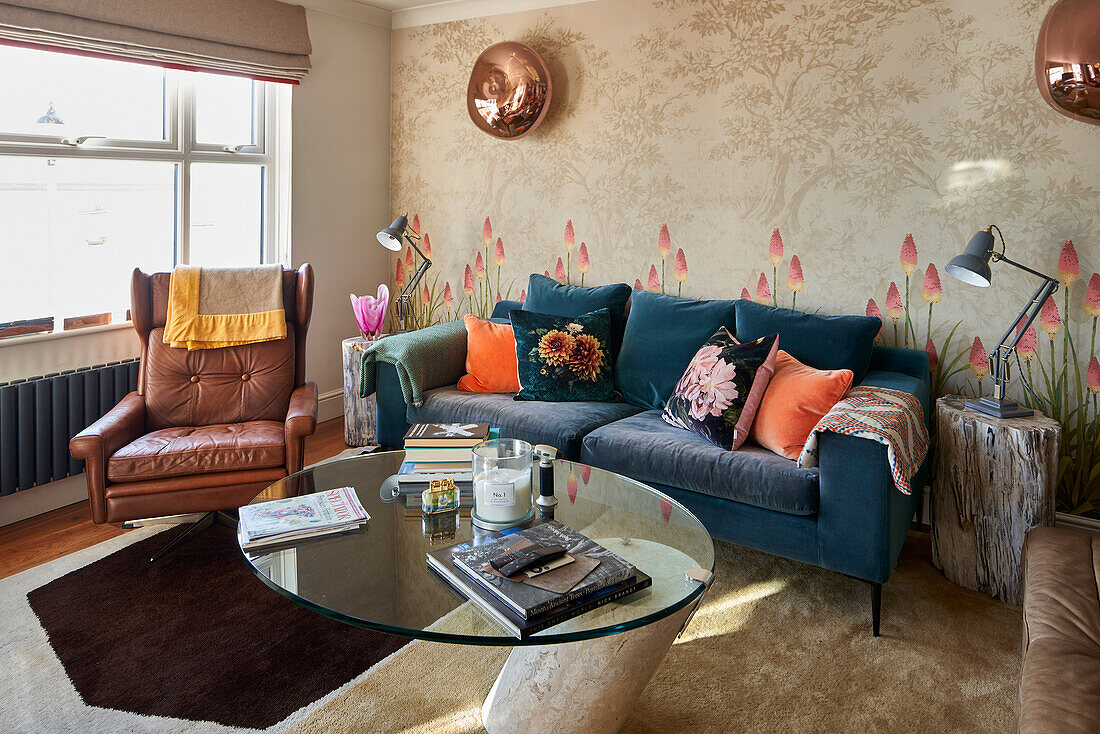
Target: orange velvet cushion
column 490, row 357
column 797, row 398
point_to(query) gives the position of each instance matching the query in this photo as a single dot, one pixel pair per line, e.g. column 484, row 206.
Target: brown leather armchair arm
column 95, row 444
column 301, row 421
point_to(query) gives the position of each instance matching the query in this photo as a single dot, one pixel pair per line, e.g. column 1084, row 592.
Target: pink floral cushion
column 722, row 387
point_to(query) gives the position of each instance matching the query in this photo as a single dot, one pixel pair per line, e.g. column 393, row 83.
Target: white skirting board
column 330, row 405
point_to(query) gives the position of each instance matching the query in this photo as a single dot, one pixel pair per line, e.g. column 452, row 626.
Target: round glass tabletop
column 378, row 576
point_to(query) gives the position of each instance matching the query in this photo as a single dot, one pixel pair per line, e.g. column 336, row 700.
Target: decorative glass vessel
column 502, row 484
column 441, row 496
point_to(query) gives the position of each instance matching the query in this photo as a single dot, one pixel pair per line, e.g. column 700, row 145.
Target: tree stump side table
column 994, row 480
column 360, row 427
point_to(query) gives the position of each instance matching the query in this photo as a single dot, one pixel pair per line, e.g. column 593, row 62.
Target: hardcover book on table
column 442, row 435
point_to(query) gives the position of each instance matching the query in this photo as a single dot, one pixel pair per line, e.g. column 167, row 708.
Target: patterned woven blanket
column 890, row 417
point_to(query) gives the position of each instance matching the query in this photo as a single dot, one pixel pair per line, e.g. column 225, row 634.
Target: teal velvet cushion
column 546, row 295
column 722, row 387
column 662, row 334
column 824, row 342
column 564, row 358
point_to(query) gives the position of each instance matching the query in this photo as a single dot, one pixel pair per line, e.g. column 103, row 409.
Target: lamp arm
column 406, row 295
column 1000, row 257
column 1030, row 310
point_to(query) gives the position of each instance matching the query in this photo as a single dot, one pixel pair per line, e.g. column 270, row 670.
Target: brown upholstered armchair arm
column 301, row 421
column 95, row 444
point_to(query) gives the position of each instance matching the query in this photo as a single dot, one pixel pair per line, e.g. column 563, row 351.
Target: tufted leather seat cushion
column 174, row 452
column 1060, row 676
column 228, row 385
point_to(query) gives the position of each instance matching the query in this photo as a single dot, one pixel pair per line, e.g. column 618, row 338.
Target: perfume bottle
column 441, row 496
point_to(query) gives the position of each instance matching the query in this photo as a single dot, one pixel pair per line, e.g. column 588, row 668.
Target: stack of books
column 265, row 525
column 587, row 577
column 439, row 450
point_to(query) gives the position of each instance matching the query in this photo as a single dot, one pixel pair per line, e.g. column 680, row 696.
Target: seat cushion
column 824, row 342
column 561, row 425
column 1061, row 664
column 546, row 295
column 174, row 452
column 662, row 334
column 646, row 448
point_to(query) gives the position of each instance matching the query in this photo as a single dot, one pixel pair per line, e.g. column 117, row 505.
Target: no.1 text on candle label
column 500, row 495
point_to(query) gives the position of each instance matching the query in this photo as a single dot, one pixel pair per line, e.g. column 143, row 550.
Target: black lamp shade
column 972, row 266
column 390, row 237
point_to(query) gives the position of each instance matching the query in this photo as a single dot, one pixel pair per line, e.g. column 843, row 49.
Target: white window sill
column 49, row 335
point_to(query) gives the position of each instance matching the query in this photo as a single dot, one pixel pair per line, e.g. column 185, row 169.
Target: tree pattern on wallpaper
column 828, row 157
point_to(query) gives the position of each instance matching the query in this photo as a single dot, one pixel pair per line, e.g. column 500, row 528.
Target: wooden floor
column 41, row 539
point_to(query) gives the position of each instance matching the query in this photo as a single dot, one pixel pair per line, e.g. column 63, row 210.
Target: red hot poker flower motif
column 415, row 226
column 638, row 284
column 979, row 360
column 1048, row 316
column 426, row 245
column 1093, row 376
column 908, row 255
column 586, row 472
column 933, row 358
column 664, row 242
column 559, row 272
column 654, row 285
column 498, row 258
column 666, row 509
column 399, row 276
column 775, row 248
column 894, row 306
column 448, row 296
column 499, row 299
column 745, row 295
column 1068, row 266
column 479, row 266
column 931, row 291
column 468, row 281
column 571, row 486
column 1092, row 297
column 872, row 310
column 763, row 290
column 794, row 275
column 487, row 232
column 410, row 260
column 523, row 295
column 570, row 238
column 680, row 267
column 1028, row 343
column 426, row 296
column 582, row 259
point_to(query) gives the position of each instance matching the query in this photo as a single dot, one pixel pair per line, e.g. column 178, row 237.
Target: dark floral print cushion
column 721, row 388
column 564, row 358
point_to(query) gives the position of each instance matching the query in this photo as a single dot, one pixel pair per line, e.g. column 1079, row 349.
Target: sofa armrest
column 94, row 445
column 301, row 422
column 912, row 362
column 424, row 359
column 501, row 309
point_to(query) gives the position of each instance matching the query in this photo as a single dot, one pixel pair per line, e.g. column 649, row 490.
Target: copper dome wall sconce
column 509, row 90
column 1067, row 59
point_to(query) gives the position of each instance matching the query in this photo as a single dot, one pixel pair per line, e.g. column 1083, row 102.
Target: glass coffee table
column 582, row 675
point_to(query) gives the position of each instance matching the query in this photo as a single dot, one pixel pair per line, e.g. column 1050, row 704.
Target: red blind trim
column 144, row 62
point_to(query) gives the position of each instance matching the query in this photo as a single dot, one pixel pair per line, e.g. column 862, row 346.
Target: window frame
column 270, row 151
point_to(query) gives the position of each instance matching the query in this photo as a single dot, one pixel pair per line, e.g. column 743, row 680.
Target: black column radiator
column 39, row 415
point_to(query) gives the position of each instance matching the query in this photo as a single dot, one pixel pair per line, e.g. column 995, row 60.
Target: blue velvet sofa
column 845, row 515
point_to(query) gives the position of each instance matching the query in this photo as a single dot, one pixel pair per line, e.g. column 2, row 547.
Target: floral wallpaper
column 823, row 156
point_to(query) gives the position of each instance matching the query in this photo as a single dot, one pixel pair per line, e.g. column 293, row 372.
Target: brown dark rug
column 196, row 636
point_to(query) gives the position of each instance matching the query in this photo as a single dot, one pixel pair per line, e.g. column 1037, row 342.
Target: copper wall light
column 509, row 90
column 1067, row 59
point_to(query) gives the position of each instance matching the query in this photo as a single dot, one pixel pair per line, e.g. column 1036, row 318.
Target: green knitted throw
column 425, row 359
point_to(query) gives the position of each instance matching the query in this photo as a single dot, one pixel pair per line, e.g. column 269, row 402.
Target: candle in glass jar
column 503, row 495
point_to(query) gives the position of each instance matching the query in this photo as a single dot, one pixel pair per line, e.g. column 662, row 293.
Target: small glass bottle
column 441, row 496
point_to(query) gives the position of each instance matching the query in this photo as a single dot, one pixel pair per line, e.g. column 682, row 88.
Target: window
column 106, row 166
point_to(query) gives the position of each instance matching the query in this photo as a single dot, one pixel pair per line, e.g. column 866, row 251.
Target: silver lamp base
column 1002, row 408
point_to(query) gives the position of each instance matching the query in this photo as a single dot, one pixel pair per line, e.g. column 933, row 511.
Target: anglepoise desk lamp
column 390, row 238
column 972, row 267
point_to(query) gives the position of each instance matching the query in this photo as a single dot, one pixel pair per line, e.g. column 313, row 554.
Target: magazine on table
column 530, row 597
column 289, row 540
column 292, row 516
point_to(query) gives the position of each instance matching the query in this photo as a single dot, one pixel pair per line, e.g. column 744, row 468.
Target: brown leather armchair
column 206, row 430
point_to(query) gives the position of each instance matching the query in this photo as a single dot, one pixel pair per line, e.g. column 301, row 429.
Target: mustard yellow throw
column 210, row 308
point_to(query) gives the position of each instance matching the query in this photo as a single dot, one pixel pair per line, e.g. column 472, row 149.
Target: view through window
column 106, row 166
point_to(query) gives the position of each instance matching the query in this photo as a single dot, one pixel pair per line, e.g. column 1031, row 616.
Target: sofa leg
column 876, row 607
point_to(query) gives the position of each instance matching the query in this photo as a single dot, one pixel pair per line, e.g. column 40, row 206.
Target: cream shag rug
column 777, row 646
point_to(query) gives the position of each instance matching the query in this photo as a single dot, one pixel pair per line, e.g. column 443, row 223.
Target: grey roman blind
column 263, row 39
